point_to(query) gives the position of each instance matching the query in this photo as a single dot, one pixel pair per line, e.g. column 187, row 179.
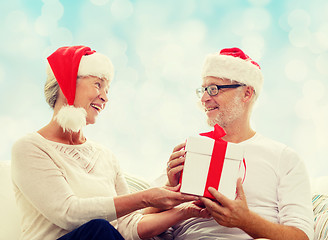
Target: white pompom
column 71, row 118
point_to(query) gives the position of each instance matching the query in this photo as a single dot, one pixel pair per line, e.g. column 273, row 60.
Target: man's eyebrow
column 209, row 84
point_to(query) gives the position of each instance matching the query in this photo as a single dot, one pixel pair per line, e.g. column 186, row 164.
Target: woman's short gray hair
column 51, row 88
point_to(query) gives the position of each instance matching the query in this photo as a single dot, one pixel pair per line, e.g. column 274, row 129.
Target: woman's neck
column 54, row 132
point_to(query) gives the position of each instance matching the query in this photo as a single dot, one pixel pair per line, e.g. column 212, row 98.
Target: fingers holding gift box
column 211, row 163
column 175, row 164
column 229, row 213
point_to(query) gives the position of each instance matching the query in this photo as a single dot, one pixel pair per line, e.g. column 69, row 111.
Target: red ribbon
column 244, row 163
column 217, row 159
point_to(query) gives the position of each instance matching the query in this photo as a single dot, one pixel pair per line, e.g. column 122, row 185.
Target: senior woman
column 69, row 187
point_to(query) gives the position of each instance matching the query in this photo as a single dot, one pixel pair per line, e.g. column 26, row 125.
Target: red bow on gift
column 217, row 134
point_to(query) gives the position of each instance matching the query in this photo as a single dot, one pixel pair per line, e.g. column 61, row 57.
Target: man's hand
column 226, row 212
column 235, row 213
column 175, row 165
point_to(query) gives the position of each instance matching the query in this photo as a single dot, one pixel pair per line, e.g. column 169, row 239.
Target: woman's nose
column 103, row 96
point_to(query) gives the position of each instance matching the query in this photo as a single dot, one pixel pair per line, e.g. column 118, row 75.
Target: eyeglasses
column 213, row 90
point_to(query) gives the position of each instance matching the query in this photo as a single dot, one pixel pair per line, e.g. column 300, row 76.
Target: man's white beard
column 229, row 114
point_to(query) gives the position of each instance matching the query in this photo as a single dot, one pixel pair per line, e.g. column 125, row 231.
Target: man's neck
column 238, row 134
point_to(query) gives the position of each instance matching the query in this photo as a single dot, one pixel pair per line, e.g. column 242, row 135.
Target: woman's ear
column 61, row 99
column 60, row 94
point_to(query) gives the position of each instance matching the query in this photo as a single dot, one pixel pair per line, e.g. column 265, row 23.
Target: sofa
column 9, row 219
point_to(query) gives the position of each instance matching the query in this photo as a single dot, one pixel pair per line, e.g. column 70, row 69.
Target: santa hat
column 66, row 64
column 234, row 64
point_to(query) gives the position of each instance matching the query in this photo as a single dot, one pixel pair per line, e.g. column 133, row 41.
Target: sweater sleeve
column 128, row 224
column 294, row 194
column 43, row 184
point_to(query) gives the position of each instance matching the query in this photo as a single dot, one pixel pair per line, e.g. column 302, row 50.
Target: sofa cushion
column 136, row 183
column 9, row 220
column 320, row 210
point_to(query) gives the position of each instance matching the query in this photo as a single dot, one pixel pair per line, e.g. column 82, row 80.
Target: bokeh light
column 158, row 48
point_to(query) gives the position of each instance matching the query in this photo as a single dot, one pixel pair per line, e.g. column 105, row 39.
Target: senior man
column 274, row 201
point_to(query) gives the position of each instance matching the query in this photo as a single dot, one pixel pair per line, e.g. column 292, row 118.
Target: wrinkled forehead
column 103, row 80
column 216, row 81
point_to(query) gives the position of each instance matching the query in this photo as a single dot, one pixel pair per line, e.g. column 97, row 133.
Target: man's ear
column 248, row 93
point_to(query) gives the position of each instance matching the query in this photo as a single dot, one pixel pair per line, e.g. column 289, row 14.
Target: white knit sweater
column 59, row 187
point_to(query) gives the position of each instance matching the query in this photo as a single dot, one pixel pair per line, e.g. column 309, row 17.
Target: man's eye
column 213, row 88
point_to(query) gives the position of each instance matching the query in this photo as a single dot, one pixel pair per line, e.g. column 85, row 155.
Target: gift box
column 212, row 162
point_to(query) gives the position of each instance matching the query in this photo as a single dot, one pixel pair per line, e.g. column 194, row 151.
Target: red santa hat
column 234, row 64
column 68, row 63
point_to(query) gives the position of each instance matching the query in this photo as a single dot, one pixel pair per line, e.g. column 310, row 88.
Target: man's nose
column 205, row 97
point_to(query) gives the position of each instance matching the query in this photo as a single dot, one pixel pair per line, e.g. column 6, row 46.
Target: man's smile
column 207, row 109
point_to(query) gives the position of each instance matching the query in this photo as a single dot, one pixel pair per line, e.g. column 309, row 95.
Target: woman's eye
column 98, row 84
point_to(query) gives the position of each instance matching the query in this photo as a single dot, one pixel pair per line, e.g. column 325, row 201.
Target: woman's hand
column 166, row 197
column 153, row 224
column 175, row 165
column 193, row 209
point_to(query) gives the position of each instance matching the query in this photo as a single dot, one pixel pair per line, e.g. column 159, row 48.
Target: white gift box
column 197, row 172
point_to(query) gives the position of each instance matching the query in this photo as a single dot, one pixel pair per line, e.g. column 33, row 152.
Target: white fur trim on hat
column 71, row 118
column 233, row 68
column 97, row 65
